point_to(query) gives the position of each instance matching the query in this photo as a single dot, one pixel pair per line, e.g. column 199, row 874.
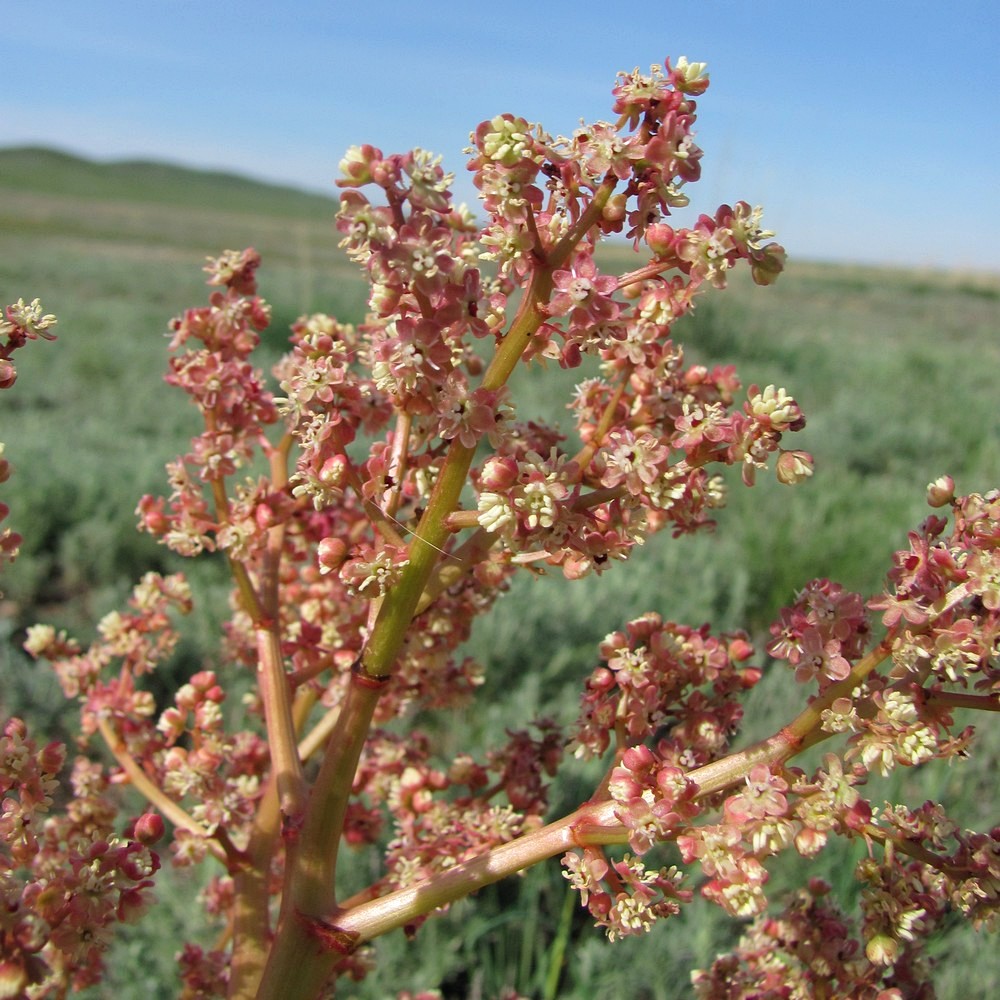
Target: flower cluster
column 213, row 370
column 809, row 949
column 678, row 682
column 66, row 876
column 812, row 948
column 19, row 323
column 821, row 633
column 441, row 817
column 380, row 500
column 624, row 897
column 942, row 639
column 652, row 799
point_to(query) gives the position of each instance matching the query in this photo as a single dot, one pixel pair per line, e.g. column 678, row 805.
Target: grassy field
column 896, row 371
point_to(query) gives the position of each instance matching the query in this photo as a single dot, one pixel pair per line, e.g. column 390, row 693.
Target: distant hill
column 50, row 171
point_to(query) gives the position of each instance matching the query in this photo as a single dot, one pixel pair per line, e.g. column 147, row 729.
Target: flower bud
column 819, row 887
column 882, row 950
column 152, row 516
column 576, row 569
column 331, row 552
column 740, row 650
column 15, row 729
column 263, row 516
column 601, row 680
column 688, row 77
column 794, row 467
column 149, row 828
column 614, row 209
column 695, row 375
column 941, row 492
column 660, row 238
column 52, row 757
column 499, row 473
column 357, row 165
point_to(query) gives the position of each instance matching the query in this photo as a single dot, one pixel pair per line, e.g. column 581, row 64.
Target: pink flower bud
column 794, row 467
column 576, row 569
column 202, row 680
column 264, row 517
column 740, row 650
column 149, row 828
column 15, row 728
column 696, row 375
column 941, row 492
column 152, row 516
column 660, row 238
column 637, row 757
column 331, row 553
column 499, row 474
column 602, row 679
column 422, row 801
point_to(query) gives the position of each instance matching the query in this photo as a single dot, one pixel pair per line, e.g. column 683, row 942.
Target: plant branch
column 298, row 964
column 155, row 795
column 955, row 699
column 276, row 695
column 584, row 456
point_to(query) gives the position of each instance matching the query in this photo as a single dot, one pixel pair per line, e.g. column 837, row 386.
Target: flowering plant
column 383, row 498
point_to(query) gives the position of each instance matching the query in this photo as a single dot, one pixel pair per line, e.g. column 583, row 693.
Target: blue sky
column 869, row 131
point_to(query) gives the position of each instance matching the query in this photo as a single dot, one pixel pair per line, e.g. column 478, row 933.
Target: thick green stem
column 400, row 602
column 432, row 533
column 305, row 950
column 300, row 963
